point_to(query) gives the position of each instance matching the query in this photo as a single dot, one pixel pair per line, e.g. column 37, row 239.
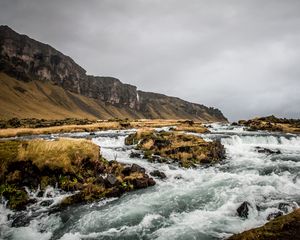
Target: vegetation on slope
column 71, row 164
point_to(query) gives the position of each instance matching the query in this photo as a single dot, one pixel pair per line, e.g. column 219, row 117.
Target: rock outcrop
column 28, row 60
column 72, row 165
column 185, row 149
column 281, row 228
column 272, row 123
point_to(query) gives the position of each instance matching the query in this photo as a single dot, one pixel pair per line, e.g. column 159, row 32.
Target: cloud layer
column 240, row 56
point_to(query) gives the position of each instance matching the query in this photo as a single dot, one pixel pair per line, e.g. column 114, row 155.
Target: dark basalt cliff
column 28, row 60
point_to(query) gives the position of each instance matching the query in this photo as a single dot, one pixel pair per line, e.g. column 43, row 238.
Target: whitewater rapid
column 195, row 203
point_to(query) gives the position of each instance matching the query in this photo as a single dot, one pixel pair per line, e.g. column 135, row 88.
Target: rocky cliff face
column 29, row 60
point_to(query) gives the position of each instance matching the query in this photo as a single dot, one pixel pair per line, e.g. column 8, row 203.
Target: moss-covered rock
column 17, row 197
column 281, row 228
column 71, row 164
column 185, row 149
column 273, row 124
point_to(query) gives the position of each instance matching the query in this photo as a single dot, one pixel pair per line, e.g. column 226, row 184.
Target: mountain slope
column 37, row 64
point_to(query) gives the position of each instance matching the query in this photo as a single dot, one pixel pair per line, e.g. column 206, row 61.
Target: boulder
column 267, row 150
column 243, row 209
column 135, row 155
column 137, row 168
column 158, row 174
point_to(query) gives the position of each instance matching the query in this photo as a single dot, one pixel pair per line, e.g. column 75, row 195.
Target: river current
column 197, row 203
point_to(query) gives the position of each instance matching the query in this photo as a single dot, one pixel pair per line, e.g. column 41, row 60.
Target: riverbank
column 102, row 126
column 72, row 165
column 281, row 228
column 260, row 169
column 271, row 123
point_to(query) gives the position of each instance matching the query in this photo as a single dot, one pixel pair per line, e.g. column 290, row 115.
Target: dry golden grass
column 63, row 153
column 288, row 128
column 143, row 125
column 195, row 129
column 39, row 99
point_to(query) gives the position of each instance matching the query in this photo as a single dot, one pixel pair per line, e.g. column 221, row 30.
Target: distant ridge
column 34, row 73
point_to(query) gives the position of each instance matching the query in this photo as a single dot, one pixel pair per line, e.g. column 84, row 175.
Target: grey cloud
column 240, row 56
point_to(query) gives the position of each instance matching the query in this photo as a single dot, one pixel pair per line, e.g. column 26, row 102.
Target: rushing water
column 196, row 203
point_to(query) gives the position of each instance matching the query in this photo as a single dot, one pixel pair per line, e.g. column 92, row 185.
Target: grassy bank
column 102, row 125
column 73, row 165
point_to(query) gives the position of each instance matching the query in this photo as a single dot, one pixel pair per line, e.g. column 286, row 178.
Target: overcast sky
column 241, row 56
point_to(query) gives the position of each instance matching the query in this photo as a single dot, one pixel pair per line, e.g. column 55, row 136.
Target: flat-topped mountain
column 39, row 81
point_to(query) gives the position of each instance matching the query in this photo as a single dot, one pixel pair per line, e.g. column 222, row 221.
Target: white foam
column 190, row 203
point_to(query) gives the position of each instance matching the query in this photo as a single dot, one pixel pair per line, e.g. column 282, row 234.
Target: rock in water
column 137, row 168
column 274, row 215
column 159, row 174
column 135, row 155
column 185, row 149
column 243, row 209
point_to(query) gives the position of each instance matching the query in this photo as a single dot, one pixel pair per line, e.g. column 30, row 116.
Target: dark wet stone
column 135, row 155
column 46, row 203
column 100, row 180
column 286, row 207
column 40, row 194
column 243, row 210
column 161, row 143
column 206, row 161
column 126, row 170
column 274, row 215
column 137, row 168
column 114, row 192
column 159, row 174
column 20, row 221
column 151, row 182
column 267, row 151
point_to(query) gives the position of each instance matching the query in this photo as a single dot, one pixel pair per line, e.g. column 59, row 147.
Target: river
column 195, row 203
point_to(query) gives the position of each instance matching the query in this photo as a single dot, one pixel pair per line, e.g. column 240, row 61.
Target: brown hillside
column 37, row 99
